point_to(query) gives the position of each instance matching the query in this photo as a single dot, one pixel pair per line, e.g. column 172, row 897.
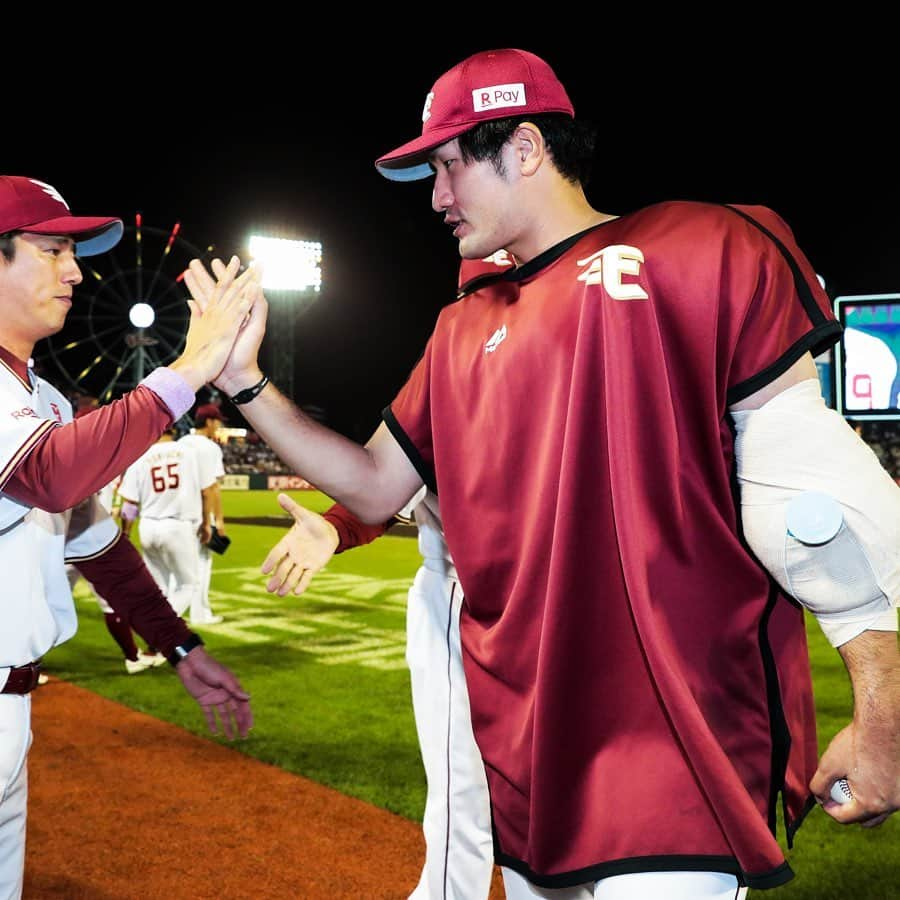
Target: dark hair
column 570, row 142
column 7, row 247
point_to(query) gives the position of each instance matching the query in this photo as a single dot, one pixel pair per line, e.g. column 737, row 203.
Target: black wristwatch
column 248, row 394
column 185, row 647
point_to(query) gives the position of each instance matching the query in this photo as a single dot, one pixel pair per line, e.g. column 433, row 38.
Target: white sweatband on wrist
column 820, row 512
column 128, row 511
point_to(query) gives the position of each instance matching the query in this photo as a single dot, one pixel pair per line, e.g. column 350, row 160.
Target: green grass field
column 331, row 691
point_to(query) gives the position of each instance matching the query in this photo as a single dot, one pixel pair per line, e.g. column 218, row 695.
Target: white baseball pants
column 201, row 611
column 459, row 850
column 15, row 741
column 635, row 886
column 170, row 548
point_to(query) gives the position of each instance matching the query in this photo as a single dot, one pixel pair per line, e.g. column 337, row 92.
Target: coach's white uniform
column 36, row 607
column 212, row 469
column 165, row 483
column 459, row 852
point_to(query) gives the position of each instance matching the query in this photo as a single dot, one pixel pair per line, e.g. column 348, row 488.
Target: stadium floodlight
column 288, row 265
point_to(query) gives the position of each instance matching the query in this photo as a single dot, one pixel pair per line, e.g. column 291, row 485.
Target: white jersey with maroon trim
column 210, row 458
column 165, row 482
column 36, row 607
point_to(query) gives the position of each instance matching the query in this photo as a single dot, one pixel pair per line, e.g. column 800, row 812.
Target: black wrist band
column 185, row 647
column 246, row 395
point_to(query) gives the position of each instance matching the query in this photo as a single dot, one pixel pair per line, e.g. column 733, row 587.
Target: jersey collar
column 16, row 366
column 526, row 270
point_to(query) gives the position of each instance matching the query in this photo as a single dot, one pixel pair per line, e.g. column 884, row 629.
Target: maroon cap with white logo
column 27, row 204
column 495, row 84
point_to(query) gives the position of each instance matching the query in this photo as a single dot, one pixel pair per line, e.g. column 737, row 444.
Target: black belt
column 22, row 679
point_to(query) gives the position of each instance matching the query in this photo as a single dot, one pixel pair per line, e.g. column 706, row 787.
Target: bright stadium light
column 288, row 265
column 141, row 315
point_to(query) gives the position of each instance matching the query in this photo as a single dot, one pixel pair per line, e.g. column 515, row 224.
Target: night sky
column 212, row 150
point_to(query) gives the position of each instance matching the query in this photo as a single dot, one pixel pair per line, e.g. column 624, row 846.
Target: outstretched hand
column 302, row 552
column 241, row 368
column 224, row 702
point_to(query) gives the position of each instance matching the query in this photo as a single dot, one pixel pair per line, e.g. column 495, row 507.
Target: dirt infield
column 125, row 806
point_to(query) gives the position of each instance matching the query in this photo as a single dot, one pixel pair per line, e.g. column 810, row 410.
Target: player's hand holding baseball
column 225, row 703
column 867, row 751
column 216, row 318
column 241, row 369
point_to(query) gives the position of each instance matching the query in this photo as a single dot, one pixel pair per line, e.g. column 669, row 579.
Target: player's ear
column 530, row 150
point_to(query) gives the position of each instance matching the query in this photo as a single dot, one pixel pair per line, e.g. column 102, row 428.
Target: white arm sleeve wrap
column 793, row 444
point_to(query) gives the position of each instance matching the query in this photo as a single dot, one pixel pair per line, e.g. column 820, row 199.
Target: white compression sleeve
column 795, row 444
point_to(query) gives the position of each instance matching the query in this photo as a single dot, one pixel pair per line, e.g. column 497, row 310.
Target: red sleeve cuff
column 351, row 531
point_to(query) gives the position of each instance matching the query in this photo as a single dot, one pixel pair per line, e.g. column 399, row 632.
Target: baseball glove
column 218, row 543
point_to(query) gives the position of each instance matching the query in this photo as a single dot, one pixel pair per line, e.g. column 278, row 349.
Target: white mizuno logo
column 495, row 340
column 49, row 189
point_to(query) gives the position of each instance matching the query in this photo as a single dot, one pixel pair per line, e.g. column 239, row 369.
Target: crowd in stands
column 250, row 455
column 884, row 439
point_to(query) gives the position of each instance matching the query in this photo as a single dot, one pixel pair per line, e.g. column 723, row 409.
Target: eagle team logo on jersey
column 606, row 268
column 495, row 340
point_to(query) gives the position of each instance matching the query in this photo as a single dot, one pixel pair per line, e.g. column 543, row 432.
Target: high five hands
column 209, row 291
column 216, row 323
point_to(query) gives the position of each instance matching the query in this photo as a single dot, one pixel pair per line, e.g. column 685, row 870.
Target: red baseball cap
column 208, row 411
column 27, row 204
column 494, row 84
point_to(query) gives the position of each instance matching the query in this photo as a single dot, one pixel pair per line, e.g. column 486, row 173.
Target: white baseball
column 840, row 791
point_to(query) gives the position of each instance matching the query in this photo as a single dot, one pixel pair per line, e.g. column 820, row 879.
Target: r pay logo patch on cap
column 498, row 96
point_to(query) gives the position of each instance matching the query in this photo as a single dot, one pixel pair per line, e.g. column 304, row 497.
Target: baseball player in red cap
column 50, row 462
column 633, row 632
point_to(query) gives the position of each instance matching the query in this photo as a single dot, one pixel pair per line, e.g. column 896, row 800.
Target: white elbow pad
column 820, row 512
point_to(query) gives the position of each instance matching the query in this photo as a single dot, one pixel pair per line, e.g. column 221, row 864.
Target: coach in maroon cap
column 616, row 417
column 52, row 466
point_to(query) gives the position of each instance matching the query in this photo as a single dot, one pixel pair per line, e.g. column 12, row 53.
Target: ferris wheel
column 129, row 315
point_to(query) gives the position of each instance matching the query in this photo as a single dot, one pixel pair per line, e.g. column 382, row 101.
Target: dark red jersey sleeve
column 75, row 460
column 120, row 576
column 351, row 531
column 785, row 314
column 409, row 418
